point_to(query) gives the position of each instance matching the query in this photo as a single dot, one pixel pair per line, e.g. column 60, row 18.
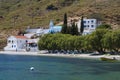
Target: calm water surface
column 14, row 67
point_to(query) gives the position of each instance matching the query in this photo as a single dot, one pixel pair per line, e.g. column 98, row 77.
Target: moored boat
column 108, row 59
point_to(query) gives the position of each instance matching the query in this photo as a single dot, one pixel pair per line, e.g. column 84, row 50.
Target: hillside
column 16, row 15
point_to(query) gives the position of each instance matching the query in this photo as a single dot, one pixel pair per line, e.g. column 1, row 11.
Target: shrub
column 51, row 7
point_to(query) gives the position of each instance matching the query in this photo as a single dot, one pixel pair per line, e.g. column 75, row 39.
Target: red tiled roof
column 21, row 37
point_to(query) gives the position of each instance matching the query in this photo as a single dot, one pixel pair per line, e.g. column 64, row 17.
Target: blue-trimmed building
column 54, row 29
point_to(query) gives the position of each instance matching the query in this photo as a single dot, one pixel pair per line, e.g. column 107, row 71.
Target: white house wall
column 29, row 35
column 11, row 43
column 21, row 43
column 31, row 30
column 89, row 25
column 14, row 43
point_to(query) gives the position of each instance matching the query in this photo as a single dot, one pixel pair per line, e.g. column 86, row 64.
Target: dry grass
column 106, row 10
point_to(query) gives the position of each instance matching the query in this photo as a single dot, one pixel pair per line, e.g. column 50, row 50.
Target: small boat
column 32, row 68
column 108, row 59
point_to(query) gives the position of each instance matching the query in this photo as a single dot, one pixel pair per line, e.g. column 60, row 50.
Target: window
column 88, row 25
column 92, row 26
column 14, row 45
column 84, row 26
column 92, row 21
column 9, row 41
column 88, row 21
column 33, row 45
column 26, row 41
column 84, row 21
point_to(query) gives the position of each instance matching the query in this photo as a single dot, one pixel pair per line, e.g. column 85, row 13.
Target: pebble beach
column 86, row 56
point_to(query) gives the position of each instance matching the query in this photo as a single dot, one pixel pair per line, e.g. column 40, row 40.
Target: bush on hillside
column 51, row 7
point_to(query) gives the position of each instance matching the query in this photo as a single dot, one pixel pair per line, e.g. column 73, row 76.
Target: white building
column 32, row 45
column 26, row 42
column 21, row 43
column 38, row 32
column 89, row 25
column 16, row 43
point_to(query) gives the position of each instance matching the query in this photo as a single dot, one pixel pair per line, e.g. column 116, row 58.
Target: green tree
column 116, row 40
column 44, row 42
column 107, row 41
column 86, row 43
column 64, row 28
column 104, row 26
column 82, row 26
column 111, row 40
column 78, row 42
column 68, row 30
column 94, row 40
column 74, row 29
column 100, row 40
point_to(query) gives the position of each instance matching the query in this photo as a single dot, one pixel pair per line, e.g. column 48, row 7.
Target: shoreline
column 82, row 56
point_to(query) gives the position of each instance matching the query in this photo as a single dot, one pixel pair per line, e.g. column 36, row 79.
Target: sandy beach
column 86, row 56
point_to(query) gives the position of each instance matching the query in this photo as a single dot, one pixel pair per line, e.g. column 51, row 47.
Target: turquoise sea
column 14, row 67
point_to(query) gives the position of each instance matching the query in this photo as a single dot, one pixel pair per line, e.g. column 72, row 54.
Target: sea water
column 14, row 67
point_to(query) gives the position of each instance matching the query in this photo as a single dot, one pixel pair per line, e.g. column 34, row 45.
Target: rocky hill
column 16, row 15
